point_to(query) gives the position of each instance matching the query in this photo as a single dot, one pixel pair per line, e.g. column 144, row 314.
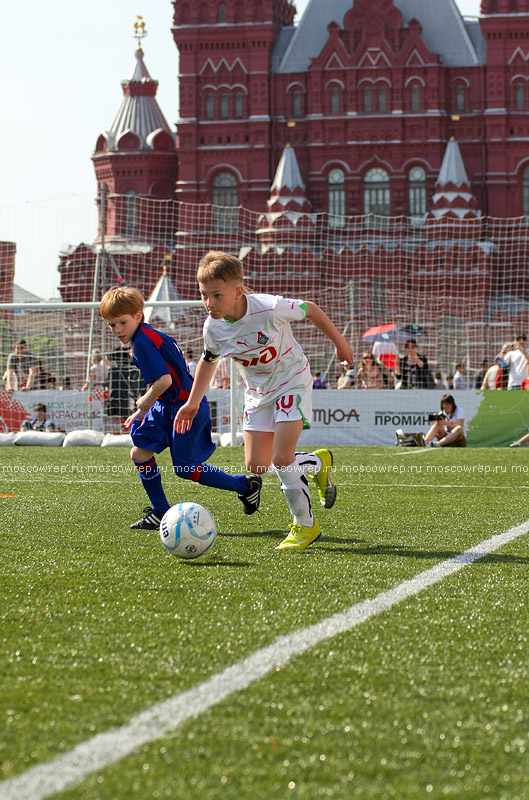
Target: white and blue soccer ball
column 187, row 530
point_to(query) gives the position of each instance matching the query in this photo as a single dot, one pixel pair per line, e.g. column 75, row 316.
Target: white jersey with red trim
column 263, row 346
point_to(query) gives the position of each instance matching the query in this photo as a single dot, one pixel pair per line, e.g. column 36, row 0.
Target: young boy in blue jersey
column 165, row 372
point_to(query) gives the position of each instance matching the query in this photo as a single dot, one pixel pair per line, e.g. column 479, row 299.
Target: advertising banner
column 340, row 417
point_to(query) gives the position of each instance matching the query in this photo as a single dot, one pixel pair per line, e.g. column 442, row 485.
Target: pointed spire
column 288, row 208
column 164, row 290
column 139, row 117
column 287, row 192
column 453, row 195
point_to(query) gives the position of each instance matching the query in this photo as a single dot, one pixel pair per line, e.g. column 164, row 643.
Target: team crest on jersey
column 262, row 338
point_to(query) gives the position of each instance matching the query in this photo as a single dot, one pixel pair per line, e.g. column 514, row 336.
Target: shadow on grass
column 280, row 534
column 401, row 552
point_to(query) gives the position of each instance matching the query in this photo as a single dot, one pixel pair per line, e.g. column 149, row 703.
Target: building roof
column 164, row 290
column 452, row 169
column 21, row 295
column 139, row 112
column 443, row 30
column 453, row 196
column 288, row 174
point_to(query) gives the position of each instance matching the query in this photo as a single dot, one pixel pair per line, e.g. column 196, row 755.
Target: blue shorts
column 156, row 432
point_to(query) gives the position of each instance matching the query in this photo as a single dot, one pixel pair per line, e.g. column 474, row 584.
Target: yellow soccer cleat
column 323, row 481
column 300, row 537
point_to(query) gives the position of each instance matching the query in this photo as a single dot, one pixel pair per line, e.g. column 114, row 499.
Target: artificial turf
column 426, row 699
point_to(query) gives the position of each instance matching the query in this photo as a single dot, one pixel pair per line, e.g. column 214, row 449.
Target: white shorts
column 287, row 408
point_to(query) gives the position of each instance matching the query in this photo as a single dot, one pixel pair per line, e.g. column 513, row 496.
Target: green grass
column 427, row 699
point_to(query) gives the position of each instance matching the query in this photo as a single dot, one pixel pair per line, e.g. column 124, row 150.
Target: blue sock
column 152, row 483
column 208, row 475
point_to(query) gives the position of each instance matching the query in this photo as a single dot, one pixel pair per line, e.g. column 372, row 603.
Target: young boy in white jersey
column 254, row 329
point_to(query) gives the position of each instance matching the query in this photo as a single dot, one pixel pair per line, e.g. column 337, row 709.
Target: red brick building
column 359, row 155
column 376, row 88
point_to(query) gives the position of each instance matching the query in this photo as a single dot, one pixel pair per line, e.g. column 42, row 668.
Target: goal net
column 463, row 282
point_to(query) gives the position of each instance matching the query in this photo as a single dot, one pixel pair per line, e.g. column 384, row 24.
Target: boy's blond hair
column 121, row 300
column 219, row 266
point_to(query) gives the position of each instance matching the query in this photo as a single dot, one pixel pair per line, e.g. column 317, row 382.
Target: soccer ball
column 187, row 530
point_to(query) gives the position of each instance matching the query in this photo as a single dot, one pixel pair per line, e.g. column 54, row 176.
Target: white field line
column 104, row 749
column 412, row 451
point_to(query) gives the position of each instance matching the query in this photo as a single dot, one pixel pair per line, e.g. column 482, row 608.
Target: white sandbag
column 117, row 440
column 225, row 439
column 83, row 437
column 7, row 438
column 39, row 438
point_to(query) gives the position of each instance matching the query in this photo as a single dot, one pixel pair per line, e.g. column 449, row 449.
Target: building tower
column 136, row 158
column 505, row 27
column 224, row 131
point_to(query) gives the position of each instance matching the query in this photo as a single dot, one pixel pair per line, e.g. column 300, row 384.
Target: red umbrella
column 394, row 332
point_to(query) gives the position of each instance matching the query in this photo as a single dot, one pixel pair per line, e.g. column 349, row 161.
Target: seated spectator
column 347, row 378
column 451, row 430
column 386, row 353
column 412, row 371
column 221, row 376
column 21, row 369
column 519, row 442
column 319, row 381
column 371, row 374
column 44, row 379
column 480, row 376
column 40, row 423
column 460, row 378
column 66, row 384
column 448, row 381
column 490, row 378
column 98, row 372
column 438, row 381
column 191, row 363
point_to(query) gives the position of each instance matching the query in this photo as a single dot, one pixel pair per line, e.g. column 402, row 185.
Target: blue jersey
column 156, row 354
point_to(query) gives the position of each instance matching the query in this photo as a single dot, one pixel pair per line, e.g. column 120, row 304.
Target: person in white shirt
column 254, row 330
column 460, row 379
column 450, row 431
column 516, row 359
column 191, row 363
column 386, row 352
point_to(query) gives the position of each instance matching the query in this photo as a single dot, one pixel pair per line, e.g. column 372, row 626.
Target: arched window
column 336, row 189
column 335, row 100
column 519, row 94
column 368, row 102
column 525, row 192
column 238, row 105
column 210, row 105
column 224, row 105
column 131, row 212
column 225, row 201
column 417, row 194
column 416, row 97
column 296, row 103
column 460, row 97
column 376, row 193
column 382, row 98
column 222, row 13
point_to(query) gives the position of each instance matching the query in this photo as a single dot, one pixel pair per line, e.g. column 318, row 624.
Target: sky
column 63, row 69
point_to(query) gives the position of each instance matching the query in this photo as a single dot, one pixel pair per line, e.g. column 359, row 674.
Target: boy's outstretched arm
column 186, row 413
column 320, row 320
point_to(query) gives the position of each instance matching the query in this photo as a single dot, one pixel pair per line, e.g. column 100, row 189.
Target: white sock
column 295, row 488
column 308, row 463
